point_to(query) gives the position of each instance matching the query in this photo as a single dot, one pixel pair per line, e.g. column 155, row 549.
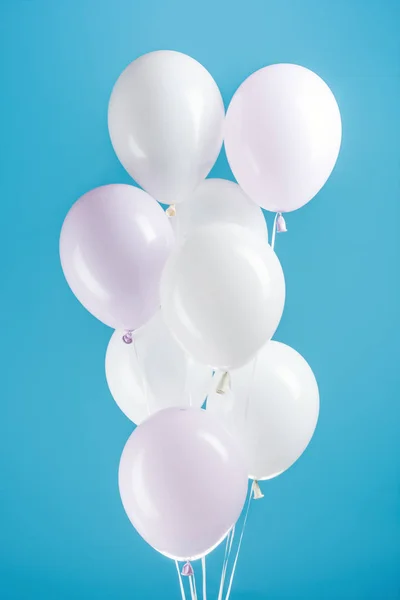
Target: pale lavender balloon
column 113, row 246
column 282, row 136
column 182, row 482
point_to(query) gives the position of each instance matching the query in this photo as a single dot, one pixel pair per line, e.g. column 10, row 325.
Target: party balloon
column 114, row 243
column 271, row 410
column 282, row 136
column 218, row 201
column 222, row 294
column 182, row 481
column 153, row 372
column 165, row 119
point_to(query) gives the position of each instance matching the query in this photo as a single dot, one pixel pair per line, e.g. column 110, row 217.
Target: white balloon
column 272, row 409
column 153, row 372
column 222, row 294
column 218, row 201
column 165, row 119
column 282, row 136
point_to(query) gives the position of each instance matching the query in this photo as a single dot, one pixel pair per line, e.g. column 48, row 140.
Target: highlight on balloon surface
column 183, row 482
column 114, row 243
column 153, row 372
column 165, row 119
column 271, row 409
column 199, row 288
column 222, row 294
column 282, row 136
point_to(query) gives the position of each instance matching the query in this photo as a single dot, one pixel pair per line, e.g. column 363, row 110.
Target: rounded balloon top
column 114, row 243
column 218, row 201
column 282, row 136
column 182, row 481
column 165, row 119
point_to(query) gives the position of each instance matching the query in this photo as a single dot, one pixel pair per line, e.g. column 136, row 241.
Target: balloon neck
column 224, row 384
column 127, row 337
column 187, row 570
column 257, row 493
column 281, row 224
column 171, row 211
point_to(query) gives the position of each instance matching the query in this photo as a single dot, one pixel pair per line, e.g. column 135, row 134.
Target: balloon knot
column 171, row 211
column 187, row 570
column 281, row 224
column 257, row 493
column 127, row 337
column 224, row 384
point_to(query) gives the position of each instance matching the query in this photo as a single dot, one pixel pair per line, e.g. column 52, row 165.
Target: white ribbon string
column 274, row 232
column 203, row 570
column 180, row 581
column 229, row 543
column 192, row 585
column 228, row 593
column 228, row 548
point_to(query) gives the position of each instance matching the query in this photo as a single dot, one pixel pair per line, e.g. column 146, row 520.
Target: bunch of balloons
column 195, row 293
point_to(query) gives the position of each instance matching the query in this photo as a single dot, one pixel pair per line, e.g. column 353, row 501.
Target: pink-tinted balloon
column 282, row 136
column 182, row 482
column 113, row 246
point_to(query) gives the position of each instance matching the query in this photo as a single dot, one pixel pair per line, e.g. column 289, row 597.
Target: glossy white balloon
column 153, row 372
column 222, row 294
column 218, row 201
column 165, row 119
column 282, row 136
column 271, row 410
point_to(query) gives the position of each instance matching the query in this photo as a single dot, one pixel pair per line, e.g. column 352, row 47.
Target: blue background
column 330, row 527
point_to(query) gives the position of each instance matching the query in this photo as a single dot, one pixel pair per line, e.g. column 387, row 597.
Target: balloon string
column 180, row 581
column 192, row 584
column 228, row 593
column 203, row 570
column 228, row 548
column 274, row 232
column 143, row 379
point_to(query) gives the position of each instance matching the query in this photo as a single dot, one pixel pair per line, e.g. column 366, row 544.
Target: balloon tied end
column 257, row 493
column 281, row 224
column 224, row 384
column 171, row 211
column 187, row 570
column 127, row 337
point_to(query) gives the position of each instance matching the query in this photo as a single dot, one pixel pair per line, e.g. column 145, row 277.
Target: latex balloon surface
column 165, row 120
column 218, row 201
column 282, row 136
column 182, row 481
column 271, row 410
column 153, row 372
column 114, row 243
column 222, row 294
